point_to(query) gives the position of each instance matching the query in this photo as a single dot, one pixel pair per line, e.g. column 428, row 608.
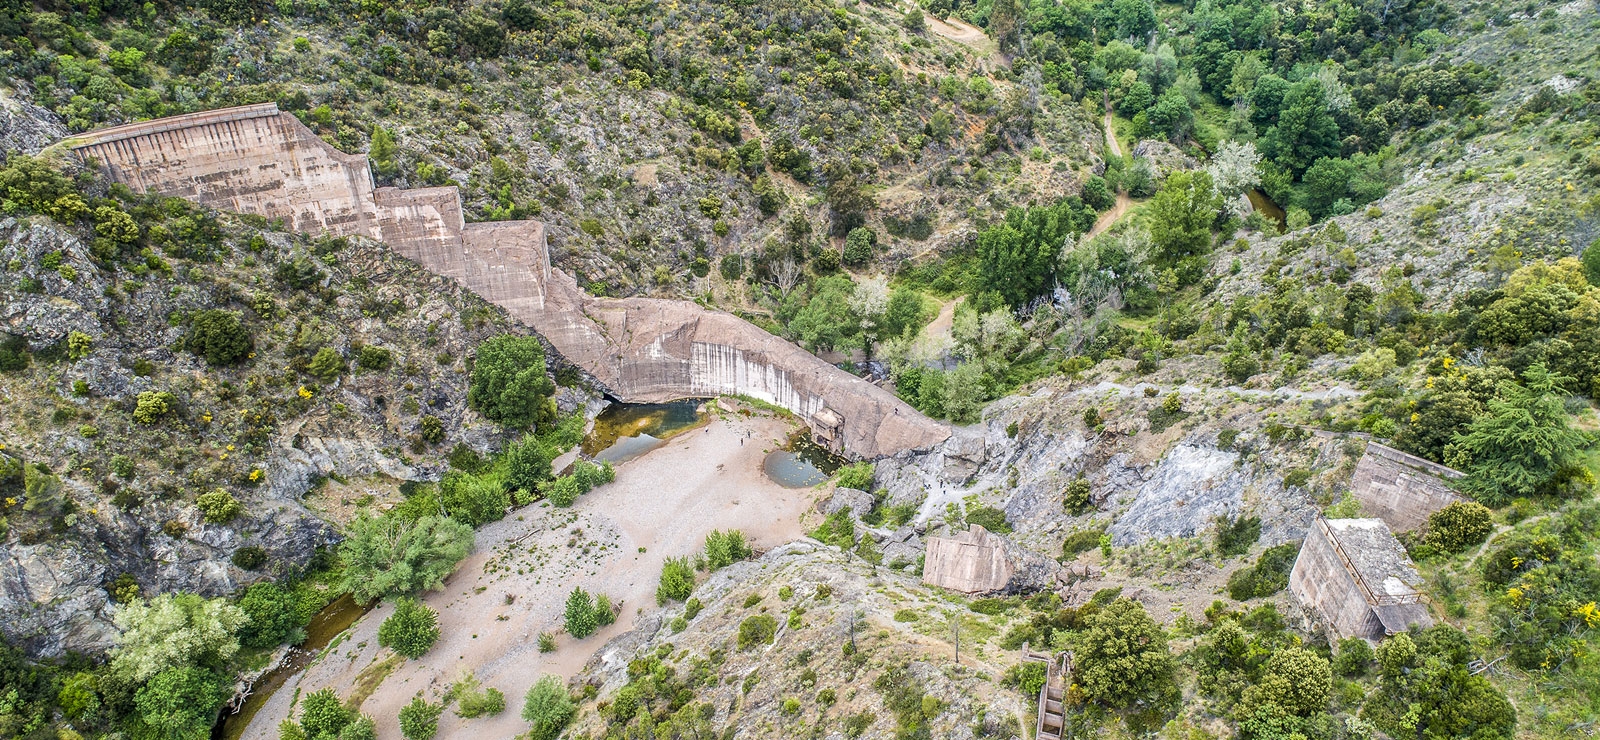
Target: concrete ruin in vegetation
column 1358, row 579
column 1401, row 489
column 258, row 160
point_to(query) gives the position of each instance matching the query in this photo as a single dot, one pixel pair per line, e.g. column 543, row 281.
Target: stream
column 625, row 431
column 334, row 619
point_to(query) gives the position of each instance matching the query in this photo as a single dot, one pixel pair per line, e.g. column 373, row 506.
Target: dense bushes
column 1458, row 526
column 726, row 548
column 548, row 707
column 1122, row 657
column 585, row 613
column 393, row 556
column 1269, row 575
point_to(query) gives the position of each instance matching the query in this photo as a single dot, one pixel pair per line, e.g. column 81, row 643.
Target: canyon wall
column 256, row 159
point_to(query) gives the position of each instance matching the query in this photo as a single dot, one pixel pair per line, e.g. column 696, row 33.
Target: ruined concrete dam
column 258, row 160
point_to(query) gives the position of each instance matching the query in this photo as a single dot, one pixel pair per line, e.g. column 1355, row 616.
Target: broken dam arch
column 258, row 160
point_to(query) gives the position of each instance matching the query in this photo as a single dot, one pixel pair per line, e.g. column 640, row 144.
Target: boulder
column 858, row 502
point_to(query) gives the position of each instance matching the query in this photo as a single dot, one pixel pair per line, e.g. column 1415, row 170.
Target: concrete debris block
column 964, row 453
column 1401, row 489
column 859, row 503
column 1356, row 577
column 255, row 159
column 1190, row 488
column 979, row 561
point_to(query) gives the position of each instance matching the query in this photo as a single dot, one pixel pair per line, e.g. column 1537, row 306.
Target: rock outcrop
column 256, row 159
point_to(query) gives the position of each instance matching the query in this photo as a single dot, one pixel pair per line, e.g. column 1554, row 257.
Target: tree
column 1136, row 100
column 1233, row 170
column 1123, row 657
column 1523, row 445
column 1017, row 257
column 1306, row 130
column 181, row 702
column 903, row 314
column 392, row 556
column 1171, row 117
column 548, row 707
column 869, row 302
column 270, row 616
column 1266, row 99
column 581, row 618
column 826, row 321
column 528, row 463
column 1426, row 690
column 218, row 336
column 382, row 153
column 677, row 580
column 174, row 631
column 1134, row 18
column 847, row 199
column 324, row 717
column 509, row 382
column 858, row 246
column 411, row 629
column 1181, row 215
column 1004, row 25
column 419, row 720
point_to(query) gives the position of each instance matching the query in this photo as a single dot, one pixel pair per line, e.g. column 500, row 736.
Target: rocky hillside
column 174, row 409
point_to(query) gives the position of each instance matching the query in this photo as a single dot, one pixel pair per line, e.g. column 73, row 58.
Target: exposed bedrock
column 255, row 159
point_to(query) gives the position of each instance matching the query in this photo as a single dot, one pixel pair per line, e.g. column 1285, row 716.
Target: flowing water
column 625, row 431
column 800, row 464
column 334, row 618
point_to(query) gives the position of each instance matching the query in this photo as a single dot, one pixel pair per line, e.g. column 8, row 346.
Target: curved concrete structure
column 256, row 159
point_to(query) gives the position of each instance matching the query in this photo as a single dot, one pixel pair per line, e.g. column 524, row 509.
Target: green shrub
column 419, row 720
column 1353, row 657
column 581, row 617
column 858, row 246
column 249, row 557
column 374, row 358
column 411, row 630
column 677, row 580
column 14, row 356
column 726, row 548
column 1235, row 536
column 757, row 630
column 326, row 364
column 1075, row 499
column 547, row 642
column 1080, row 541
column 548, row 707
column 122, row 466
column 989, row 518
column 152, row 405
column 472, row 700
column 1030, row 679
column 855, row 475
column 219, row 506
column 473, row 500
column 218, row 336
column 1269, row 575
column 1460, row 525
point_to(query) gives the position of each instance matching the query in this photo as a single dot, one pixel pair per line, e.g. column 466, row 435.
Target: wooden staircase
column 1052, row 711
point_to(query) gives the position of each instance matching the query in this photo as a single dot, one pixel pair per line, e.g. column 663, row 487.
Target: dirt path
column 514, row 585
column 1122, row 203
column 967, row 35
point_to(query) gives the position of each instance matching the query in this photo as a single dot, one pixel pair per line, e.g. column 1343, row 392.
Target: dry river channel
column 514, row 584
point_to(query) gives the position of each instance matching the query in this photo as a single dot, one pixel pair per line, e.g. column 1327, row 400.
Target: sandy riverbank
column 612, row 541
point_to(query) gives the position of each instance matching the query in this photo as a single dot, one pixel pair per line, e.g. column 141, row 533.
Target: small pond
column 334, row 618
column 800, row 464
column 625, row 431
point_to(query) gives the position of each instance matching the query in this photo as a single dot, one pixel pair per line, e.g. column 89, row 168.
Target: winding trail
column 1123, row 201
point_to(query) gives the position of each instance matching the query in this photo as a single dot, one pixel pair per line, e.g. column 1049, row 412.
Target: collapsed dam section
column 258, row 160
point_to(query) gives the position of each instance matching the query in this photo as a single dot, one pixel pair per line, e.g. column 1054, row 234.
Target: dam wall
column 256, row 159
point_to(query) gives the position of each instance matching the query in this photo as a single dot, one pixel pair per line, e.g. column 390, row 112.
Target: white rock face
column 1190, row 487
